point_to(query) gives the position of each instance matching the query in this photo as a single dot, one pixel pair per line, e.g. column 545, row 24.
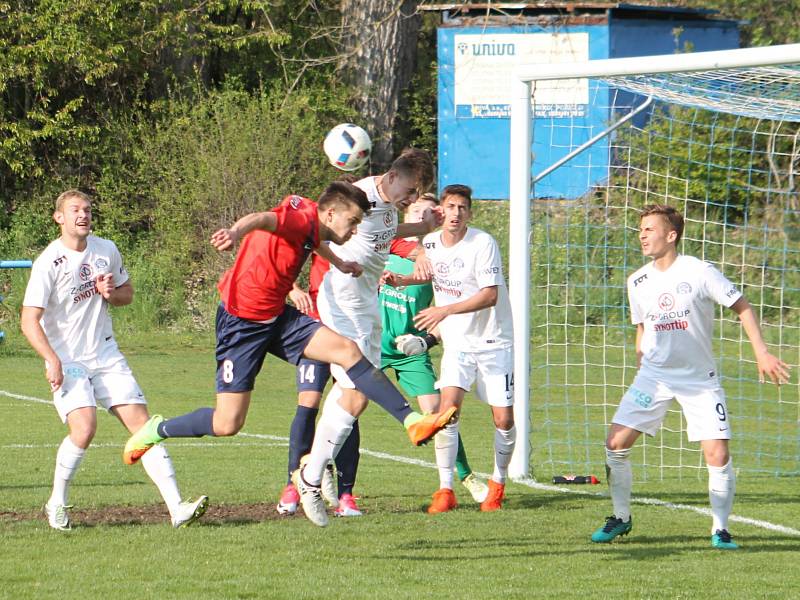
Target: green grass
column 536, row 547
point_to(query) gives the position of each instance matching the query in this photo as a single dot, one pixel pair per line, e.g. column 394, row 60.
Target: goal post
column 755, row 100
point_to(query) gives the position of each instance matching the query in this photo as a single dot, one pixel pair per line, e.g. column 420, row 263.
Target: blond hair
column 64, row 196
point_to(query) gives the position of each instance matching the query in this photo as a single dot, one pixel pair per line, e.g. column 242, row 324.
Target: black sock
column 347, row 461
column 376, row 386
column 193, row 424
column 301, row 435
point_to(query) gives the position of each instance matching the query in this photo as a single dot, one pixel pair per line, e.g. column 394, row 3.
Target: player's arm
column 33, row 332
column 430, row 317
column 768, row 365
column 301, row 299
column 345, row 266
column 398, row 280
column 431, row 219
column 639, row 334
column 225, row 239
column 115, row 296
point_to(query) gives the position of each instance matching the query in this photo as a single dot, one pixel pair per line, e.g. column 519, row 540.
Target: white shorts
column 107, row 384
column 645, row 404
column 362, row 325
column 491, row 370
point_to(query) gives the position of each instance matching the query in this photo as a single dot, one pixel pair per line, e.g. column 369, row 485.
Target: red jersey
column 267, row 264
column 403, row 248
column 319, row 266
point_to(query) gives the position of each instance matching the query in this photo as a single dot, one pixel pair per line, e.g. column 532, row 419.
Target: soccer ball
column 347, row 147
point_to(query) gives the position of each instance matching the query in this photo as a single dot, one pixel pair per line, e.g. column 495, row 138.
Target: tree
column 379, row 61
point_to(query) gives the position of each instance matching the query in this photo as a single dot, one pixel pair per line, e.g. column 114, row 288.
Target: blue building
column 479, row 45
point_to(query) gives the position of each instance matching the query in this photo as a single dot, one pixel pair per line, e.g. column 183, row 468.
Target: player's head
column 73, row 213
column 410, row 175
column 341, row 208
column 660, row 229
column 416, row 210
column 456, row 206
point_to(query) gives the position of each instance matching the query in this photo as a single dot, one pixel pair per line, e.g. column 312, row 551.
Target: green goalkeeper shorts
column 414, row 374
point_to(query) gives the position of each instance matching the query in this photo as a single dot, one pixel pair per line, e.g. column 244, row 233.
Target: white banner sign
column 484, row 65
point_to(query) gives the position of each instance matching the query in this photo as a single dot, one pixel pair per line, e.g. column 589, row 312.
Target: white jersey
column 369, row 247
column 676, row 308
column 460, row 272
column 75, row 320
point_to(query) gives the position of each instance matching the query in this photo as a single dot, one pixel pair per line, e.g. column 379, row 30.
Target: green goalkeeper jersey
column 399, row 306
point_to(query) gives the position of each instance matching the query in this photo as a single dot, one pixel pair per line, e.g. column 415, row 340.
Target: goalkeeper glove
column 411, row 345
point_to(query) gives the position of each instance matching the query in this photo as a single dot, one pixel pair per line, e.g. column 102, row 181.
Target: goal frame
column 521, row 186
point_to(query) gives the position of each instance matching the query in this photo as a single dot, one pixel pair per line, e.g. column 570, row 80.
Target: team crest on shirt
column 457, row 265
column 666, row 302
column 100, row 264
column 684, row 288
column 387, row 218
column 294, row 201
column 85, row 272
column 442, row 269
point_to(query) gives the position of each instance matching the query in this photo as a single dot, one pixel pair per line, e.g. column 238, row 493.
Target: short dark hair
column 341, row 192
column 672, row 216
column 416, row 163
column 458, row 189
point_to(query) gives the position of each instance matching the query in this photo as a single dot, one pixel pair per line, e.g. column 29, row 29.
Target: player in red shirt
column 253, row 319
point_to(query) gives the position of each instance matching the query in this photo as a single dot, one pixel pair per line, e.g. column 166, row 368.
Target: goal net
column 723, row 147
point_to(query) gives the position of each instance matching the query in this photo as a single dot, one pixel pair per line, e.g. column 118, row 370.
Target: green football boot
column 613, row 527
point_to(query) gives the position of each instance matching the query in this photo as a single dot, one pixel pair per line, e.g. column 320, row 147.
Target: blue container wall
column 475, row 150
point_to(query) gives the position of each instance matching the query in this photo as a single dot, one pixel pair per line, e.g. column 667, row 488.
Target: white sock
column 620, row 481
column 158, row 466
column 504, row 441
column 333, row 427
column 446, row 448
column 721, row 490
column 68, row 459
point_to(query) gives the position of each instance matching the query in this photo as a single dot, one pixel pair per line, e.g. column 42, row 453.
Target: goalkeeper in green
column 404, row 348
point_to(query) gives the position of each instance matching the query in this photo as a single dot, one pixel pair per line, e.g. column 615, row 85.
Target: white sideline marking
column 173, row 443
column 429, row 465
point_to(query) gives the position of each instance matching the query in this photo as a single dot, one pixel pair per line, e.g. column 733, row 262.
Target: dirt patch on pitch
column 223, row 514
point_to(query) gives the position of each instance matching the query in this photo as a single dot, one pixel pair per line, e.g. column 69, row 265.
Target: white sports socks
column 504, row 441
column 68, row 459
column 158, row 466
column 333, row 427
column 620, row 481
column 721, row 490
column 446, row 448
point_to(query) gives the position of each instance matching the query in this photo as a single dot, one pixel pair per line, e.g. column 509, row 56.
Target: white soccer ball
column 347, row 147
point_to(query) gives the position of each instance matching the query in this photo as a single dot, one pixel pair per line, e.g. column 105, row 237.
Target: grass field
column 123, row 547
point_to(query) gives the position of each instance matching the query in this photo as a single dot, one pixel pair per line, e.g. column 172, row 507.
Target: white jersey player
column 474, row 318
column 349, row 305
column 673, row 300
column 65, row 318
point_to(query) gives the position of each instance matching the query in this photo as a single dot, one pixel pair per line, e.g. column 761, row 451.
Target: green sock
column 412, row 418
column 462, row 466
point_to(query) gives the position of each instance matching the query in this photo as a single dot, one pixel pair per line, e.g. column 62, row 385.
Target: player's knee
column 348, row 352
column 82, row 435
column 505, row 422
column 224, row 427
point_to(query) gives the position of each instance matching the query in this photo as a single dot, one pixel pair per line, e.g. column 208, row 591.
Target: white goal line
column 530, row 483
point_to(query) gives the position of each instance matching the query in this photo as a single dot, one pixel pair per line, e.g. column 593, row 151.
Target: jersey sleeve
column 403, row 248
column 488, row 263
column 40, row 284
column 719, row 288
column 293, row 224
column 636, row 310
column 117, row 268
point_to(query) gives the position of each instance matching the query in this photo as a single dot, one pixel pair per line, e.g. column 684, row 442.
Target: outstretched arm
column 225, row 239
column 429, row 318
column 768, row 365
column 345, row 266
